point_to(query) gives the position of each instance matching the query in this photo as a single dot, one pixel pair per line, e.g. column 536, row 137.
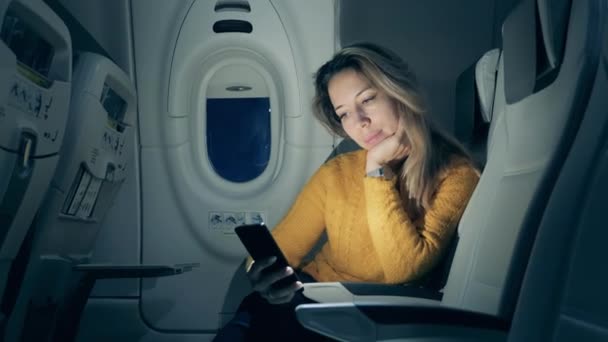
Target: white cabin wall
column 439, row 39
column 174, row 44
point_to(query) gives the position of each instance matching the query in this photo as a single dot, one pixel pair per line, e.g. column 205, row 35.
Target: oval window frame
column 208, row 68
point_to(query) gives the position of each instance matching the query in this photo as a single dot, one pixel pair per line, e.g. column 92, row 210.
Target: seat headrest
column 533, row 41
column 345, row 146
column 485, row 81
column 553, row 16
column 519, row 51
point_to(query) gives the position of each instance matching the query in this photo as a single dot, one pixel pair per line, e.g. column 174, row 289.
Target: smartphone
column 260, row 244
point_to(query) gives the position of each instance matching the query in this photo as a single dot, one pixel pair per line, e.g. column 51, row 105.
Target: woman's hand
column 394, row 147
column 262, row 281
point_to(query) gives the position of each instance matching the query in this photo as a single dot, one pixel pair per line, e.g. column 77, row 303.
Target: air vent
column 224, row 26
column 232, row 6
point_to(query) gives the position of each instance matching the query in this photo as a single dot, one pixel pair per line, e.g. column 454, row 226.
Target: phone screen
column 260, row 244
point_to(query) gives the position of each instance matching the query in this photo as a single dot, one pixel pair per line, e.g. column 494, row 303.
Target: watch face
column 379, row 172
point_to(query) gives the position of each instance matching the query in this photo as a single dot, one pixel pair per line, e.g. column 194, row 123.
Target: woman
column 389, row 210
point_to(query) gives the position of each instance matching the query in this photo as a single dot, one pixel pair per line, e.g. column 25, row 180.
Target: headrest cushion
column 485, row 81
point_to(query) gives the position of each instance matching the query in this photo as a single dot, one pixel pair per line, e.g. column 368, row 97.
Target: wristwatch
column 379, row 173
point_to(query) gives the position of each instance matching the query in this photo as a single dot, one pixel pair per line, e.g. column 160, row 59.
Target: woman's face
column 367, row 114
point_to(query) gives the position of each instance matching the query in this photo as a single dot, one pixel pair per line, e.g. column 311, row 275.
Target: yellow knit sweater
column 370, row 236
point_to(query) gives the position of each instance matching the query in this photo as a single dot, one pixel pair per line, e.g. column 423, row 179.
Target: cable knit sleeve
column 300, row 229
column 407, row 251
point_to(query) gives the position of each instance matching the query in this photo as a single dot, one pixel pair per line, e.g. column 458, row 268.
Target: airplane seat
column 563, row 295
column 90, row 171
column 486, row 84
column 475, row 88
column 541, row 92
column 35, row 77
column 97, row 155
column 477, row 113
column 345, row 146
column 537, row 109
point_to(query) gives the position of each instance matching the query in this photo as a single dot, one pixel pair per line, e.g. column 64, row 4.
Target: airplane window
column 238, row 136
column 238, row 117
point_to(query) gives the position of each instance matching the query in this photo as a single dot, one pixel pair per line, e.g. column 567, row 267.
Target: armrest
column 375, row 322
column 370, row 312
column 110, row 271
column 369, row 292
column 371, row 289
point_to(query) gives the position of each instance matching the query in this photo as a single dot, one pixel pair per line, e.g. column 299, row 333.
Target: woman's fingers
column 282, row 295
column 281, row 300
column 266, row 280
column 258, row 266
column 285, row 291
column 262, row 281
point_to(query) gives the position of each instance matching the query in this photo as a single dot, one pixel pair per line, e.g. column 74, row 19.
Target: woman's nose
column 363, row 118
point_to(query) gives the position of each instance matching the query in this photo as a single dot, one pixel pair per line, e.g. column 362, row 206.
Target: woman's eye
column 368, row 99
column 341, row 116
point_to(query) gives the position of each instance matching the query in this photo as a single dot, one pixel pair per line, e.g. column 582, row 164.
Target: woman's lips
column 373, row 138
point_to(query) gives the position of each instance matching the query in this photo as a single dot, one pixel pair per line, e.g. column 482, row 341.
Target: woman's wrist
column 372, row 165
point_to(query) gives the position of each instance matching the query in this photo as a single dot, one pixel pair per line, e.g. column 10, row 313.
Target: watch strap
column 382, row 172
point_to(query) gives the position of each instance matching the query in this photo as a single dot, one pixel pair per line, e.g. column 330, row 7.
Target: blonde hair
column 431, row 149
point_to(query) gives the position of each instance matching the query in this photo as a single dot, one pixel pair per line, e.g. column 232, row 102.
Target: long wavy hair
column 431, row 149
